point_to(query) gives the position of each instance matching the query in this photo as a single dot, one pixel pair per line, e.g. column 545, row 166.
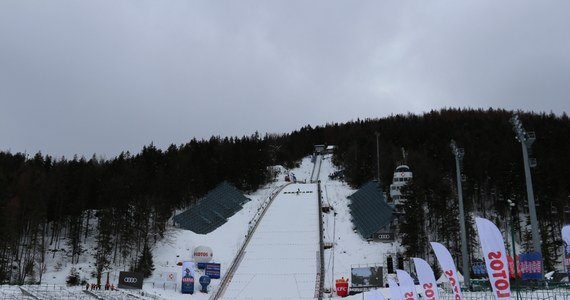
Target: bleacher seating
column 369, row 210
column 212, row 210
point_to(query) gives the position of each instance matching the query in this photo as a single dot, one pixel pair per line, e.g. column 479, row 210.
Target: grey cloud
column 106, row 76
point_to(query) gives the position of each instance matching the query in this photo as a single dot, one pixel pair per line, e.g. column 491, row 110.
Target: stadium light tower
column 526, row 139
column 459, row 154
column 512, row 214
column 378, row 155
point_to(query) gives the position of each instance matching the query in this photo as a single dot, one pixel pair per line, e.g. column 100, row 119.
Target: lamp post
column 512, row 214
column 526, row 139
column 459, row 153
column 378, row 155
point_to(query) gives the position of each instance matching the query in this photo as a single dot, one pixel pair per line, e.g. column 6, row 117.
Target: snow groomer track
column 281, row 261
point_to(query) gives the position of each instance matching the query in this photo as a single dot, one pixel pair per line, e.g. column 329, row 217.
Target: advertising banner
column 566, row 239
column 407, row 285
column 394, row 288
column 448, row 267
column 479, row 268
column 427, row 279
column 188, row 276
column 495, row 256
column 366, row 276
column 385, row 236
column 341, row 287
column 213, row 270
column 130, row 280
column 511, row 266
column 531, row 265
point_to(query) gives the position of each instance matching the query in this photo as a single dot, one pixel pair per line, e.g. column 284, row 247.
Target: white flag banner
column 427, row 279
column 395, row 292
column 566, row 238
column 407, row 285
column 374, row 295
column 495, row 256
column 448, row 266
column 566, row 234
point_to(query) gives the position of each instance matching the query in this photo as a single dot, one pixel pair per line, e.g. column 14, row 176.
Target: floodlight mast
column 459, row 153
column 526, row 139
column 378, row 155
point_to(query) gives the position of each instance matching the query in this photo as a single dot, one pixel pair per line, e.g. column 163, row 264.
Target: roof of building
column 402, row 168
column 369, row 209
column 213, row 210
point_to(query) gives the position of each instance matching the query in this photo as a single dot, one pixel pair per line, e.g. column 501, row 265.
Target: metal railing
column 239, row 256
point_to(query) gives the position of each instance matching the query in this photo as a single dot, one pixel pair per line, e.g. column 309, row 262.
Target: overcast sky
column 85, row 77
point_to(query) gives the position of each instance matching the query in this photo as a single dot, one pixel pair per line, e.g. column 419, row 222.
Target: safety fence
column 542, row 294
column 252, row 227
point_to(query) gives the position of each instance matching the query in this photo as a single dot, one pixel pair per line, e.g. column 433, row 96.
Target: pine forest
column 45, row 201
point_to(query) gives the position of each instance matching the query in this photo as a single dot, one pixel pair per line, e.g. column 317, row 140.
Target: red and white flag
column 448, row 266
column 407, row 285
column 495, row 257
column 427, row 279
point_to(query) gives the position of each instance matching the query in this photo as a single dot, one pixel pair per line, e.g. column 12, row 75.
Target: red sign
column 511, row 266
column 342, row 287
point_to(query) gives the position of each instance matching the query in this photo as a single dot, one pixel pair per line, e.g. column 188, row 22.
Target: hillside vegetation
column 133, row 196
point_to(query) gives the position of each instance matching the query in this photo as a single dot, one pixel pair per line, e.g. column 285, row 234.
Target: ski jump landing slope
column 282, row 258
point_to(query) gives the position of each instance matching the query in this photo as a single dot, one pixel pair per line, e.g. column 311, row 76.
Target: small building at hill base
column 213, row 210
column 371, row 216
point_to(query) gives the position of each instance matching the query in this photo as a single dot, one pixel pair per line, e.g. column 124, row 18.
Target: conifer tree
column 145, row 264
column 411, row 228
column 104, row 244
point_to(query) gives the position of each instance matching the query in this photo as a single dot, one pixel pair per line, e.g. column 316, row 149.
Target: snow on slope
column 283, row 252
column 349, row 248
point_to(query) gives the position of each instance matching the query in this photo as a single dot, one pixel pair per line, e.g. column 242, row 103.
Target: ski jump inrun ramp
column 281, row 261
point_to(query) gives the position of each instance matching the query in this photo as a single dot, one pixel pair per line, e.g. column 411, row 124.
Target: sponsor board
column 213, row 270
column 187, row 286
column 130, row 280
column 385, row 236
column 531, row 265
column 371, row 276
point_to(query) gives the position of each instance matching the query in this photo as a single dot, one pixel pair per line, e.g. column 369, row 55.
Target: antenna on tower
column 404, row 159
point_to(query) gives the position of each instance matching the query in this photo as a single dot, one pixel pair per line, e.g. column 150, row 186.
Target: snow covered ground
column 285, row 243
column 283, row 252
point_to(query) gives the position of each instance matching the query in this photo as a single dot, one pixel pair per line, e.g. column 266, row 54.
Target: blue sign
column 479, row 268
column 202, row 265
column 204, row 281
column 187, row 286
column 531, row 265
column 213, row 270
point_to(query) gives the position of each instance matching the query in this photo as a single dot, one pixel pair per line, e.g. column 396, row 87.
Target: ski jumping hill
column 283, row 253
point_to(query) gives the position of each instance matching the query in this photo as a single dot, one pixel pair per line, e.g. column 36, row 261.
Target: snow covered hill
column 349, row 248
column 280, row 261
column 282, row 257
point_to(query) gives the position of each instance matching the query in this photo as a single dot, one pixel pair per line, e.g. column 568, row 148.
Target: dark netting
column 212, row 210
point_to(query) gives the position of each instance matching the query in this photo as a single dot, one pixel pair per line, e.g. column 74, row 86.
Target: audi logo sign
column 388, row 236
column 130, row 280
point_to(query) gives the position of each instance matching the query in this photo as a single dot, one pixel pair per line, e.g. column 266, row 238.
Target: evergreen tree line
column 492, row 166
column 45, row 200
